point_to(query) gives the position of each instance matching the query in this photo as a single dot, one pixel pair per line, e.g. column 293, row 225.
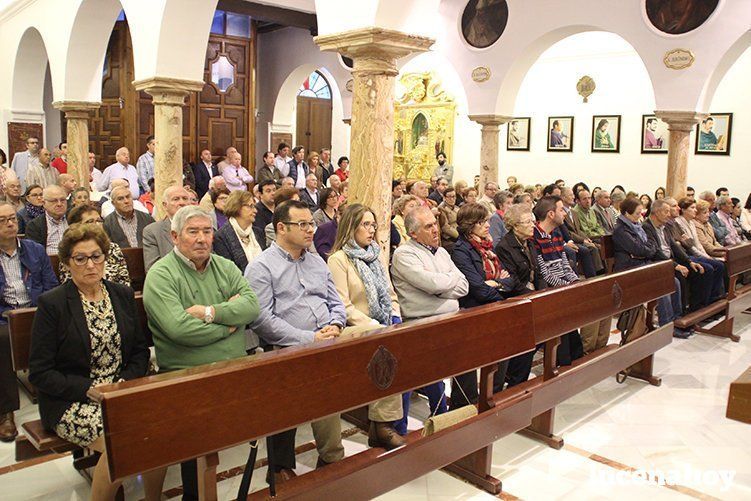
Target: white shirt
column 281, row 164
column 120, row 171
column 108, row 208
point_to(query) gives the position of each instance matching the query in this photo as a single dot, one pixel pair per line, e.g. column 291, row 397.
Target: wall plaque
column 349, row 85
column 679, row 59
column 481, row 74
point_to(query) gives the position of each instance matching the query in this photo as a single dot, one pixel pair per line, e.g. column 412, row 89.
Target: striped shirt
column 43, row 176
column 15, row 293
column 551, row 258
column 145, row 168
column 129, row 227
column 55, row 230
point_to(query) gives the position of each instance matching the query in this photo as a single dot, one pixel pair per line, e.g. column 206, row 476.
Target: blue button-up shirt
column 296, row 296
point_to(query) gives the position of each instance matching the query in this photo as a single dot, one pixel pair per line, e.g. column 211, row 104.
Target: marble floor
column 614, row 434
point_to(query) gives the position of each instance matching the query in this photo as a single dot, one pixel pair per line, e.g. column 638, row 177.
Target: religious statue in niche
column 423, row 125
column 679, row 16
column 483, row 22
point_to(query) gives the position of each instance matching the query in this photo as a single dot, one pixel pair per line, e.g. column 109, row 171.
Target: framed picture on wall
column 654, row 135
column 560, row 133
column 517, row 134
column 713, row 134
column 606, row 133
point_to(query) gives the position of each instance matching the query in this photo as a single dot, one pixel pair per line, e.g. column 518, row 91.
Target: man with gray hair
column 48, row 230
column 603, row 209
column 125, row 225
column 157, row 237
column 215, row 184
column 616, row 198
column 723, row 224
column 42, row 173
column 23, row 160
column 428, row 283
column 198, row 305
column 120, row 170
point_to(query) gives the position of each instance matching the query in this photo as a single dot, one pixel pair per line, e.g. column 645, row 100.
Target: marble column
column 169, row 98
column 77, row 137
column 489, row 146
column 680, row 125
column 374, row 52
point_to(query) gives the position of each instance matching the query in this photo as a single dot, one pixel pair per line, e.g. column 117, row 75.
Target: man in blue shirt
column 25, row 273
column 299, row 305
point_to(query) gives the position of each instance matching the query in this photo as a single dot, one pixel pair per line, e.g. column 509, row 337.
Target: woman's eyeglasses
column 82, row 259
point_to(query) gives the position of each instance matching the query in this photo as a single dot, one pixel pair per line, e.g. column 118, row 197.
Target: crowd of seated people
column 235, row 267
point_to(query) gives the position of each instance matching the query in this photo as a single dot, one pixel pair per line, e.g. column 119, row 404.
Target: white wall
column 52, row 126
column 292, row 51
column 623, row 88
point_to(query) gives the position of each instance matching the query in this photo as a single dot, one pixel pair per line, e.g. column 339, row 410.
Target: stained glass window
column 315, row 86
column 222, row 73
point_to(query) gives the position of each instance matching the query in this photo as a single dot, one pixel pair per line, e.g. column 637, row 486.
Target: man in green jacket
column 590, row 226
column 198, row 305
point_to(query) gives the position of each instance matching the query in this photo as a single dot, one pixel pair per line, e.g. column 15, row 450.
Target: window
column 229, row 23
column 222, row 73
column 217, row 25
column 315, row 86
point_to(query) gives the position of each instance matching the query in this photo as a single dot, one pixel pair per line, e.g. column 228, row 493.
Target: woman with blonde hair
column 402, row 206
column 369, row 301
column 705, row 232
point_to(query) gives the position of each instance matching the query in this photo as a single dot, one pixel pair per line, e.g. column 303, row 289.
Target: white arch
column 723, row 66
column 285, row 107
column 29, row 68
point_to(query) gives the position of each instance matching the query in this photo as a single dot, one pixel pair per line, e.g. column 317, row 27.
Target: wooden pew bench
column 35, row 439
column 134, row 262
column 737, row 262
column 166, row 419
column 739, row 398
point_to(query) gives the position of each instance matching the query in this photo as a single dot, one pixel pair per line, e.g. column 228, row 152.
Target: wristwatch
column 208, row 317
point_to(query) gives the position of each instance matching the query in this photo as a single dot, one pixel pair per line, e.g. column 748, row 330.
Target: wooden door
column 313, row 123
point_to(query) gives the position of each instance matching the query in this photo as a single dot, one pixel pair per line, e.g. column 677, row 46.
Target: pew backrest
column 738, row 259
column 136, row 268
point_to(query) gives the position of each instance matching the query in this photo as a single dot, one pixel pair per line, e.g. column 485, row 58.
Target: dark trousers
column 697, row 287
column 189, row 475
column 716, row 272
column 8, row 384
column 464, row 386
column 584, row 256
column 520, row 367
column 282, row 449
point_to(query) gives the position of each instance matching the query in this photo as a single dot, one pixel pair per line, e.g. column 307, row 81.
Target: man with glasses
column 48, row 230
column 125, row 226
column 198, row 305
column 25, row 273
column 157, row 238
column 299, row 305
column 23, row 160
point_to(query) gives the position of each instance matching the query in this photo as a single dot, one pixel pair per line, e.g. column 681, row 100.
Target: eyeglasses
column 93, row 221
column 82, row 259
column 35, row 195
column 249, row 206
column 6, row 220
column 368, row 225
column 303, row 225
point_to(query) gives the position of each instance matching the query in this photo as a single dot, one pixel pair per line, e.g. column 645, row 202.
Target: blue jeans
column 670, row 307
column 715, row 269
column 436, row 399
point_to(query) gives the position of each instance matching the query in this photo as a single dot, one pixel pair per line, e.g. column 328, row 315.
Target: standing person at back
column 327, row 170
column 282, row 158
column 23, row 160
column 226, row 160
column 267, row 170
column 42, row 173
column 120, row 170
column 145, row 165
column 297, row 168
column 203, row 171
column 236, row 176
column 61, row 162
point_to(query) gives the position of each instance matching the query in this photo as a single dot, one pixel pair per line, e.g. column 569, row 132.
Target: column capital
column 490, row 120
column 168, row 91
column 374, row 50
column 680, row 120
column 76, row 109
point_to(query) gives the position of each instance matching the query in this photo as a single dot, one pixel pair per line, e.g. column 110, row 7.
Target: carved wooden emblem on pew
column 617, row 294
column 382, row 368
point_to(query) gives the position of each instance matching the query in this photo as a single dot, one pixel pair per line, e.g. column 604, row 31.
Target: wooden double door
column 213, row 119
column 313, row 123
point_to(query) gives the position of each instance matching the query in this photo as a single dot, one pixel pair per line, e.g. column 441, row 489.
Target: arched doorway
column 314, row 107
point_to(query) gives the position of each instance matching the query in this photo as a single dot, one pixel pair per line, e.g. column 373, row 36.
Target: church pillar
column 374, row 52
column 77, row 137
column 680, row 124
column 168, row 97
column 489, row 147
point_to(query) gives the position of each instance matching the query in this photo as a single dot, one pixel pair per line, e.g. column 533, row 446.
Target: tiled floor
column 609, row 430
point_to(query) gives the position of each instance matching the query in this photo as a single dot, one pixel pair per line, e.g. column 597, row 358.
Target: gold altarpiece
column 424, row 126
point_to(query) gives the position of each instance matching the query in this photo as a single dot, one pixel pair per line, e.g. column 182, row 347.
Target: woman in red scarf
column 488, row 282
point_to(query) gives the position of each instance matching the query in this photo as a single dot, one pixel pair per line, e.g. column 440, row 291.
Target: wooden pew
column 739, row 398
column 169, row 418
column 737, row 262
column 19, row 331
column 607, row 252
column 134, row 262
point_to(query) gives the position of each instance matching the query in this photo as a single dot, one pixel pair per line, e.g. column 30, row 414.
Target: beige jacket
column 706, row 236
column 351, row 290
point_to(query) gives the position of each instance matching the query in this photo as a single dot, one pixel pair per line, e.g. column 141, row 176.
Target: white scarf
column 247, row 240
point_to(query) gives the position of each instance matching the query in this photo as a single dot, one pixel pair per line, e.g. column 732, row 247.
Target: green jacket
column 588, row 221
column 181, row 340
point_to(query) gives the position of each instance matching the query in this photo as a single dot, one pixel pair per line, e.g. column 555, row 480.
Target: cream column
column 374, row 52
column 168, row 97
column 489, row 146
column 680, row 125
column 77, row 137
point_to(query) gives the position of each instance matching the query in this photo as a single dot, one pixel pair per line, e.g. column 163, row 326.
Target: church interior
column 606, row 127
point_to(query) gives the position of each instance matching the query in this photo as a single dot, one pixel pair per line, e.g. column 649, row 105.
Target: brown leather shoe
column 8, row 431
column 280, row 476
column 384, row 435
column 320, row 463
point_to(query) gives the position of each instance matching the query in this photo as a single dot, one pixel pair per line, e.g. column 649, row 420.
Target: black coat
column 116, row 233
column 515, row 260
column 630, row 250
column 469, row 262
column 227, row 244
column 679, row 255
column 202, row 177
column 36, row 230
column 60, row 357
